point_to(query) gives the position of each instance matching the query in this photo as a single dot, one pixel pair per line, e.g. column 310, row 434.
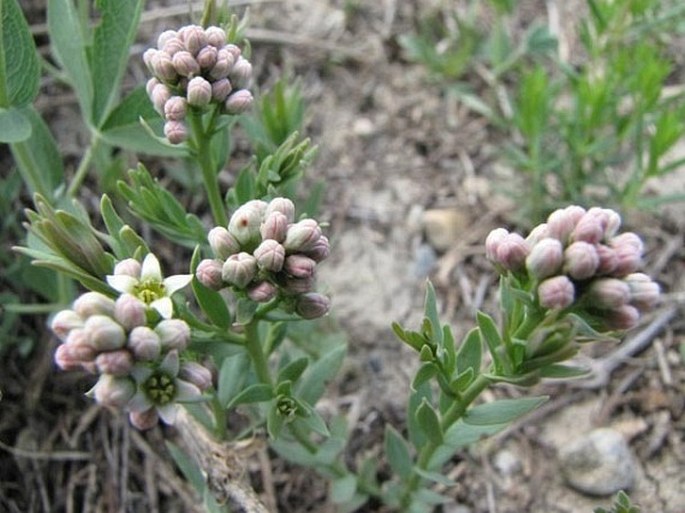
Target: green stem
column 253, row 344
column 202, row 151
column 219, row 418
column 83, row 167
column 453, row 414
column 29, row 173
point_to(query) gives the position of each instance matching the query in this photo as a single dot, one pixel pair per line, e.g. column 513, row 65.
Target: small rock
column 506, row 463
column 444, row 227
column 424, row 260
column 363, row 127
column 600, row 463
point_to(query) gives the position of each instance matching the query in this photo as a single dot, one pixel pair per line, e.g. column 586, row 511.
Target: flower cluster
column 193, row 68
column 578, row 258
column 265, row 253
column 136, row 355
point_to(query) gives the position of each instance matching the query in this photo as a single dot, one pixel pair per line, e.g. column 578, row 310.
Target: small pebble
column 506, row 463
column 444, row 227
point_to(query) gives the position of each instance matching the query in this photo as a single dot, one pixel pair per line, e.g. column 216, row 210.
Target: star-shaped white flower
column 151, row 287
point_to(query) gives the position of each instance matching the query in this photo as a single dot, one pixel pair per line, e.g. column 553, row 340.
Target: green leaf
column 232, row 376
column 111, row 41
column 557, row 370
column 397, row 452
column 426, row 372
column 460, row 435
column 428, row 496
column 462, row 381
column 14, row 126
column 429, row 422
column 314, row 380
column 434, row 476
column 19, row 66
column 502, row 411
column 470, row 353
column 256, row 393
column 69, row 46
column 417, row 396
column 187, row 466
column 245, row 310
column 490, row 335
column 293, row 370
column 343, row 489
column 274, row 425
column 211, row 302
column 314, row 422
column 431, row 312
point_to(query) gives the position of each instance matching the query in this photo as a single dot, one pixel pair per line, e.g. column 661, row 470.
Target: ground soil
column 413, row 183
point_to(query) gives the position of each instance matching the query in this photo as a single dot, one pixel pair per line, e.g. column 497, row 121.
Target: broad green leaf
column 397, row 452
column 314, row 422
column 460, row 435
column 470, row 353
column 332, row 447
column 256, row 393
column 429, row 422
column 318, row 374
column 232, row 376
column 502, row 411
column 14, row 126
column 343, row 489
column 19, row 67
column 293, row 370
column 69, row 46
column 111, row 41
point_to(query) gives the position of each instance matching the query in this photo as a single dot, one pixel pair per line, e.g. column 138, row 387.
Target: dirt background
column 413, row 182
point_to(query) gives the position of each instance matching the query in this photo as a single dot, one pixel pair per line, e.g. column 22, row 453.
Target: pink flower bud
column 609, row 293
column 172, row 46
column 590, row 228
column 224, row 63
column 207, row 57
column 215, row 36
column 613, row 223
column 312, row 305
column 223, row 244
column 238, row 102
column 581, row 260
column 321, row 250
column 78, row 340
column 65, row 321
column 128, row 267
column 116, row 363
column 299, row 266
column 537, row 234
column 283, row 205
column 165, row 36
column 93, row 303
column 221, row 89
column 163, row 67
column 492, row 242
column 197, row 374
column 302, row 236
column 561, row 222
column 512, row 252
column 67, row 358
column 270, row 255
column 208, row 273
column 148, row 59
column 130, row 312
column 275, row 227
column 622, row 318
column 628, row 259
column 160, row 94
column 262, row 292
column 175, row 131
column 545, row 258
column 233, row 50
column 194, row 38
column 104, row 333
column 150, row 86
column 241, row 73
column 144, row 420
column 644, row 293
column 175, row 109
column 628, row 239
column 607, row 259
column 239, row 269
column 173, row 334
column 199, row 92
column 556, row 293
column 245, row 223
column 185, row 64
column 294, row 286
column 113, row 391
column 144, row 343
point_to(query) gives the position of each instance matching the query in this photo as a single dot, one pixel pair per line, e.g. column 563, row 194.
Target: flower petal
column 140, row 373
column 171, row 363
column 164, row 306
column 122, row 282
column 168, row 412
column 176, row 282
column 187, row 392
column 139, row 402
column 151, row 269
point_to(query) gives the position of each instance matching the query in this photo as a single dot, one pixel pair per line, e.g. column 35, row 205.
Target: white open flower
column 151, row 287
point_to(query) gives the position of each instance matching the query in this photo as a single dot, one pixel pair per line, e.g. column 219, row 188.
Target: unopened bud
column 163, row 67
column 199, row 92
column 224, row 63
column 150, row 86
column 628, row 239
column 283, row 205
column 148, row 59
column 556, row 293
column 644, row 292
column 175, row 109
column 197, row 374
column 215, row 36
column 613, row 223
column 241, row 73
column 67, row 358
column 104, row 333
column 245, row 223
column 262, row 292
column 65, row 321
column 537, row 234
column 275, row 226
column 223, row 244
column 144, row 420
column 113, row 391
column 221, row 89
column 194, row 38
column 581, row 260
column 208, row 273
column 270, row 255
column 312, row 305
column 622, row 318
column 144, row 343
column 173, row 334
column 185, row 64
column 294, row 286
column 207, row 57
column 160, row 94
column 299, row 266
column 128, row 267
column 302, row 236
column 165, row 36
column 172, row 46
column 233, row 50
column 628, row 259
column 130, row 312
column 239, row 269
column 175, row 131
column 492, row 242
column 609, row 293
column 512, row 252
column 321, row 249
column 116, row 363
column 607, row 260
column 561, row 222
column 590, row 227
column 545, row 258
column 238, row 102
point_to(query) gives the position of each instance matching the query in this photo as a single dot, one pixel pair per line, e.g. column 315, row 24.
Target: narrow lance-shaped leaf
column 429, row 422
column 397, row 452
column 502, row 411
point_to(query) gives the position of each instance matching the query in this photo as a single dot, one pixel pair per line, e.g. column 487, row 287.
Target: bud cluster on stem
column 264, row 253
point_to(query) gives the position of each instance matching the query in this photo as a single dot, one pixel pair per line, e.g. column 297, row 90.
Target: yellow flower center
column 160, row 388
column 149, row 290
